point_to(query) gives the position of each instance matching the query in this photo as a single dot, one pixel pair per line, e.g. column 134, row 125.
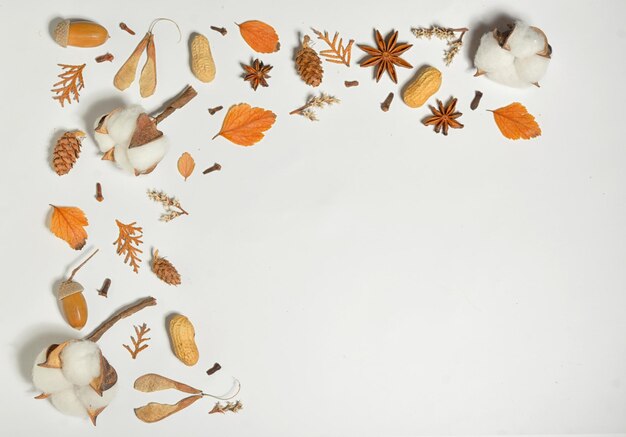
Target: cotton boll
column 46, row 379
column 93, row 400
column 490, row 56
column 81, row 361
column 68, row 403
column 525, row 41
column 144, row 157
column 121, row 158
column 122, row 123
column 104, row 141
column 508, row 76
column 533, row 68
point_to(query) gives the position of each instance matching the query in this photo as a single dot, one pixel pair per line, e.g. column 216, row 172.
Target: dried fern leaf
column 337, row 53
column 70, row 84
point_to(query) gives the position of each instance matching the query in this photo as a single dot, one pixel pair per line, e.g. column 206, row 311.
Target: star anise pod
column 257, row 73
column 386, row 56
column 444, row 117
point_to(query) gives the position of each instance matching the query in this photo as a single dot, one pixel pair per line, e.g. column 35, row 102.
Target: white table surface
column 361, row 276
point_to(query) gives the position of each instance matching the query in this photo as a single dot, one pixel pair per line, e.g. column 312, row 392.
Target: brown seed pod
column 309, row 64
column 66, row 151
column 165, row 270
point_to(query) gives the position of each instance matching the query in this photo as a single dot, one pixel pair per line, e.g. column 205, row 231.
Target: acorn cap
column 68, row 288
column 61, row 33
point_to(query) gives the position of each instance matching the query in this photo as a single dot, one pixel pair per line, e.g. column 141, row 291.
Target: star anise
column 444, row 117
column 257, row 73
column 386, row 56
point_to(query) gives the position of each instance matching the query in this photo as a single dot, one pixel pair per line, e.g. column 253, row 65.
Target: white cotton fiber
column 121, row 158
column 525, row 41
column 144, row 157
column 81, row 361
column 532, row 68
column 508, row 76
column 68, row 403
column 121, row 124
column 48, row 380
column 92, row 400
column 490, row 56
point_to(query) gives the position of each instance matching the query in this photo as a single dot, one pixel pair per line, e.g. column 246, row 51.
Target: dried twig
column 221, row 30
column 178, row 102
column 315, row 102
column 122, row 314
column 140, row 331
column 386, row 104
column 168, row 203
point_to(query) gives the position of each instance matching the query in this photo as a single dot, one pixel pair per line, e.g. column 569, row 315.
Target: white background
column 361, row 276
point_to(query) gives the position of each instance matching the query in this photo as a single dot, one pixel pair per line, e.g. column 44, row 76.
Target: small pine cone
column 165, row 270
column 66, row 151
column 309, row 65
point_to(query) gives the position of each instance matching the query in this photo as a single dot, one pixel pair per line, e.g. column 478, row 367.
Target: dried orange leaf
column 244, row 125
column 152, row 382
column 67, row 223
column 261, row 37
column 153, row 412
column 515, row 122
column 186, row 164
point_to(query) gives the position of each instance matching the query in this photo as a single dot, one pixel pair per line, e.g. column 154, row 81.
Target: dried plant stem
column 180, row 101
column 81, row 264
column 122, row 314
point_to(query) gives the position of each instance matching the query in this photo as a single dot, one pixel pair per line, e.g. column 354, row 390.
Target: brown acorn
column 80, row 34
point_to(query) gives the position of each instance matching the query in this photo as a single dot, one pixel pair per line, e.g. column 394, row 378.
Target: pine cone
column 309, row 65
column 165, row 270
column 66, row 151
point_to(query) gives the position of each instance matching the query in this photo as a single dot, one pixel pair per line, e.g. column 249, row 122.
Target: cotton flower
column 68, row 380
column 517, row 58
column 117, row 132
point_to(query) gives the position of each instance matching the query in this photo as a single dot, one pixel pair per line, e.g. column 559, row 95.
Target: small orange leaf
column 68, row 223
column 260, row 37
column 515, row 122
column 186, row 164
column 244, row 125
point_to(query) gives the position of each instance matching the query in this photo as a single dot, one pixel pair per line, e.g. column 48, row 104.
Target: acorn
column 73, row 303
column 80, row 34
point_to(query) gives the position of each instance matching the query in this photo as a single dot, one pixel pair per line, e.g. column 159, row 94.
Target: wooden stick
column 180, row 101
column 122, row 314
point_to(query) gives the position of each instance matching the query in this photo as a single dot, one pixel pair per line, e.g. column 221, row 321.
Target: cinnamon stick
column 180, row 101
column 122, row 314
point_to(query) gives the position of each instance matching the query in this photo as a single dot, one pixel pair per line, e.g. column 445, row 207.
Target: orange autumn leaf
column 260, row 37
column 515, row 122
column 244, row 125
column 67, row 223
column 186, row 164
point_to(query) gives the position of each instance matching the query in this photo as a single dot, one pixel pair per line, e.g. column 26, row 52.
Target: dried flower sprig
column 445, row 34
column 140, row 331
column 168, row 203
column 233, row 407
column 315, row 102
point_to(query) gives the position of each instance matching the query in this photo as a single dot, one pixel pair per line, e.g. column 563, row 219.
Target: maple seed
column 257, row 73
column 214, row 167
